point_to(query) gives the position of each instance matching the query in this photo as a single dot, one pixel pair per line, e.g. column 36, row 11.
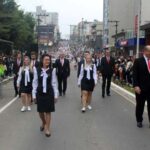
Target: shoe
column 103, row 96
column 47, row 134
column 23, row 109
column 29, row 108
column 89, row 107
column 139, row 125
column 108, row 95
column 83, row 109
column 41, row 128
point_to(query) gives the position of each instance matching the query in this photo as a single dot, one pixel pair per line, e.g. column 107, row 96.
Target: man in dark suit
column 34, row 61
column 63, row 72
column 16, row 66
column 141, row 83
column 107, row 70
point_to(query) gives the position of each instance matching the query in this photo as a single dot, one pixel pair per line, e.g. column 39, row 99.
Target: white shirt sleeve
column 34, row 83
column 80, row 75
column 19, row 77
column 95, row 74
column 55, row 83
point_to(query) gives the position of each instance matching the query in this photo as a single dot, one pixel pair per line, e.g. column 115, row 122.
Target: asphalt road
column 110, row 125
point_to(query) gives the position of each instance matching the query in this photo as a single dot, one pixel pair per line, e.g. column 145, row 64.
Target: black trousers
column 104, row 86
column 140, row 104
column 62, row 85
column 15, row 85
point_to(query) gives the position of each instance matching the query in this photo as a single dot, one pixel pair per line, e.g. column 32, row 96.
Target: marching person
column 45, row 91
column 63, row 72
column 107, row 70
column 87, row 80
column 16, row 66
column 34, row 61
column 141, row 83
column 24, row 84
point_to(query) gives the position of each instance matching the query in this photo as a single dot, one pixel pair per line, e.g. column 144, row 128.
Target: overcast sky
column 70, row 11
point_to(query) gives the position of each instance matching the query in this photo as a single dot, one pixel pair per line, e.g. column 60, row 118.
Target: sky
column 70, row 12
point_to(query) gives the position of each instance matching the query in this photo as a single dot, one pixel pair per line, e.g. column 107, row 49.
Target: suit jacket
column 62, row 71
column 16, row 67
column 107, row 69
column 37, row 64
column 141, row 75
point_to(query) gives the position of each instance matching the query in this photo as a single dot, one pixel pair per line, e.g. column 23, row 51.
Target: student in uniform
column 45, row 91
column 87, row 80
column 24, row 84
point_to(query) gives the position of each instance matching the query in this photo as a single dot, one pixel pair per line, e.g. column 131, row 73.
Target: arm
column 68, row 69
column 95, row 74
column 55, row 83
column 19, row 77
column 34, row 83
column 80, row 75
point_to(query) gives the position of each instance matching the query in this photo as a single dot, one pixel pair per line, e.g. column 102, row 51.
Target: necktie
column 45, row 76
column 149, row 65
column 27, row 76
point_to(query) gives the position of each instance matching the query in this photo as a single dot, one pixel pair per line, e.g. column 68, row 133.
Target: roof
column 146, row 26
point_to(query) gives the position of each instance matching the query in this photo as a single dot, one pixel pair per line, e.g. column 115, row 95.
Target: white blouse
column 43, row 73
column 88, row 68
column 27, row 75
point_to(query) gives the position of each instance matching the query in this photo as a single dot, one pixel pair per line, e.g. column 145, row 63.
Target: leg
column 48, row 122
column 15, row 86
column 140, row 103
column 89, row 98
column 60, row 85
column 84, row 98
column 42, row 117
column 108, row 85
column 64, row 85
column 23, row 97
column 103, row 85
column 28, row 99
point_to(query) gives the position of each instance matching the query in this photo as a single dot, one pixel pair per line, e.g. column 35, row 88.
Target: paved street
column 109, row 126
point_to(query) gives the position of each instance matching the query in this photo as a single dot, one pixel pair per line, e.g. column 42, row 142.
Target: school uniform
column 24, row 80
column 87, row 77
column 45, row 89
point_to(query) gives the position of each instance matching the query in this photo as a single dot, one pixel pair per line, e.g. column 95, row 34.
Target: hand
column 56, row 99
column 137, row 90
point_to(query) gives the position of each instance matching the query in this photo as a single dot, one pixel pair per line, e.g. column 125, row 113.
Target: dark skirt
column 26, row 89
column 45, row 103
column 87, row 85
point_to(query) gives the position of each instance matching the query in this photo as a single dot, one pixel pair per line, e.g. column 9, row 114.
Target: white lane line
column 8, row 104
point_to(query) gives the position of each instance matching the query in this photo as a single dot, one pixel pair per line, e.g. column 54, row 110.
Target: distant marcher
column 24, row 84
column 107, row 70
column 63, row 72
column 45, row 91
column 87, row 80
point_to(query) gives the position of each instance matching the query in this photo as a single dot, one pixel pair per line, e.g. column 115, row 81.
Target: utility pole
column 116, row 30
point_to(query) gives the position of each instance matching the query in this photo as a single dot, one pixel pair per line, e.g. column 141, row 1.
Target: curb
column 123, row 90
column 6, row 80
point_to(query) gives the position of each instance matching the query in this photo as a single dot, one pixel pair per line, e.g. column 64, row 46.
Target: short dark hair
column 42, row 58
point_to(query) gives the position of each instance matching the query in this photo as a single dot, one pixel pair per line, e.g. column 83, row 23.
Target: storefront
column 146, row 28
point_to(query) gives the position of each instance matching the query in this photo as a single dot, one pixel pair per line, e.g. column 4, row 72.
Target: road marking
column 8, row 104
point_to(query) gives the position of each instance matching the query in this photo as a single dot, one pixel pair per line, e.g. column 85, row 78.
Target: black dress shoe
column 47, row 134
column 108, row 95
column 139, row 125
column 41, row 128
column 103, row 96
column 60, row 94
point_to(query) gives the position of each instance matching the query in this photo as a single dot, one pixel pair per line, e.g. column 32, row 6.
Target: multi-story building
column 122, row 17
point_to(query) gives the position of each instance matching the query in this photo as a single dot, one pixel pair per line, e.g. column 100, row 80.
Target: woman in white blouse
column 24, row 84
column 87, row 80
column 45, row 91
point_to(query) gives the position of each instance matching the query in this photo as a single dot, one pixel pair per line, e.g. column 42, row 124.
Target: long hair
column 30, row 66
column 42, row 58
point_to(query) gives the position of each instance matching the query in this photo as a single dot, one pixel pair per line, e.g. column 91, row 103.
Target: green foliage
column 15, row 25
